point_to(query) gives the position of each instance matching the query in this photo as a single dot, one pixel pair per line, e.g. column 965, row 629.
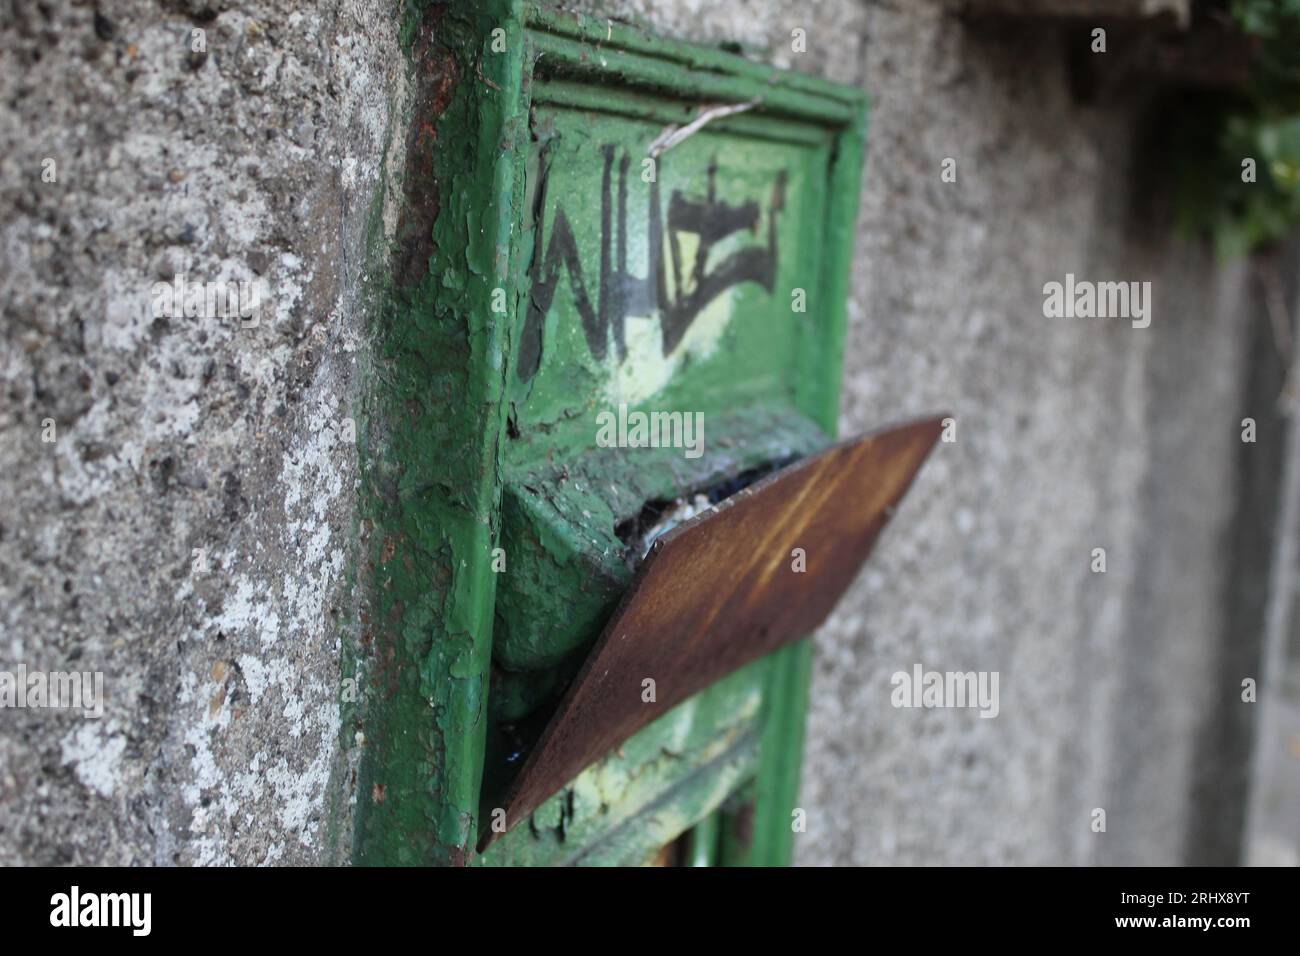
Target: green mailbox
column 635, row 307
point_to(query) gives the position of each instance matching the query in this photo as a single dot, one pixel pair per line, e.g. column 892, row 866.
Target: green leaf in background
column 1263, row 125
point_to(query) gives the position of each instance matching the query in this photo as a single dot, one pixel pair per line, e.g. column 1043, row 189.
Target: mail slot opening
column 574, row 533
column 522, row 700
column 656, row 518
column 716, row 594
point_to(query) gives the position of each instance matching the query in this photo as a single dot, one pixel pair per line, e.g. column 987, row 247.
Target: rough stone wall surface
column 263, row 158
column 257, row 157
column 1072, row 435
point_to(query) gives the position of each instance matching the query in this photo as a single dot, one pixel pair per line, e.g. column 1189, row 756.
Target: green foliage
column 1263, row 125
column 1217, row 196
column 1276, row 25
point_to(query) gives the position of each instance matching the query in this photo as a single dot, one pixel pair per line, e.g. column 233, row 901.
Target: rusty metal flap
column 722, row 590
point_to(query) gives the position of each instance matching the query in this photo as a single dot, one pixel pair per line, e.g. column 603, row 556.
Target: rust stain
column 722, row 590
column 214, row 705
column 436, row 77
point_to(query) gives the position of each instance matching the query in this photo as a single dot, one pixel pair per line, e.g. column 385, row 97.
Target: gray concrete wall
column 1073, row 434
column 220, row 737
column 265, row 157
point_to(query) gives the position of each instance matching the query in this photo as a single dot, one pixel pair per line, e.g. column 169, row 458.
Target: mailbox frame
column 419, row 786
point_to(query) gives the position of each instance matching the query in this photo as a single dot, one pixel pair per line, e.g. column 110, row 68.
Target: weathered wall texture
column 1073, row 435
column 260, row 158
column 222, row 739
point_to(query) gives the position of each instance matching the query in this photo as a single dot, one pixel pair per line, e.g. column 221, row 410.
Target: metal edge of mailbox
column 419, row 780
column 433, row 779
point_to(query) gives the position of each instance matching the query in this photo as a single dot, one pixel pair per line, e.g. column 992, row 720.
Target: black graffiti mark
column 620, row 293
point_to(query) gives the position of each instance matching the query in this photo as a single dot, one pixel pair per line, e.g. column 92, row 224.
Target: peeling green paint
column 664, row 779
column 433, row 475
column 467, row 446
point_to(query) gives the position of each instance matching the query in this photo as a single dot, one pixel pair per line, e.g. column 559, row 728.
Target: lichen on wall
column 191, row 531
